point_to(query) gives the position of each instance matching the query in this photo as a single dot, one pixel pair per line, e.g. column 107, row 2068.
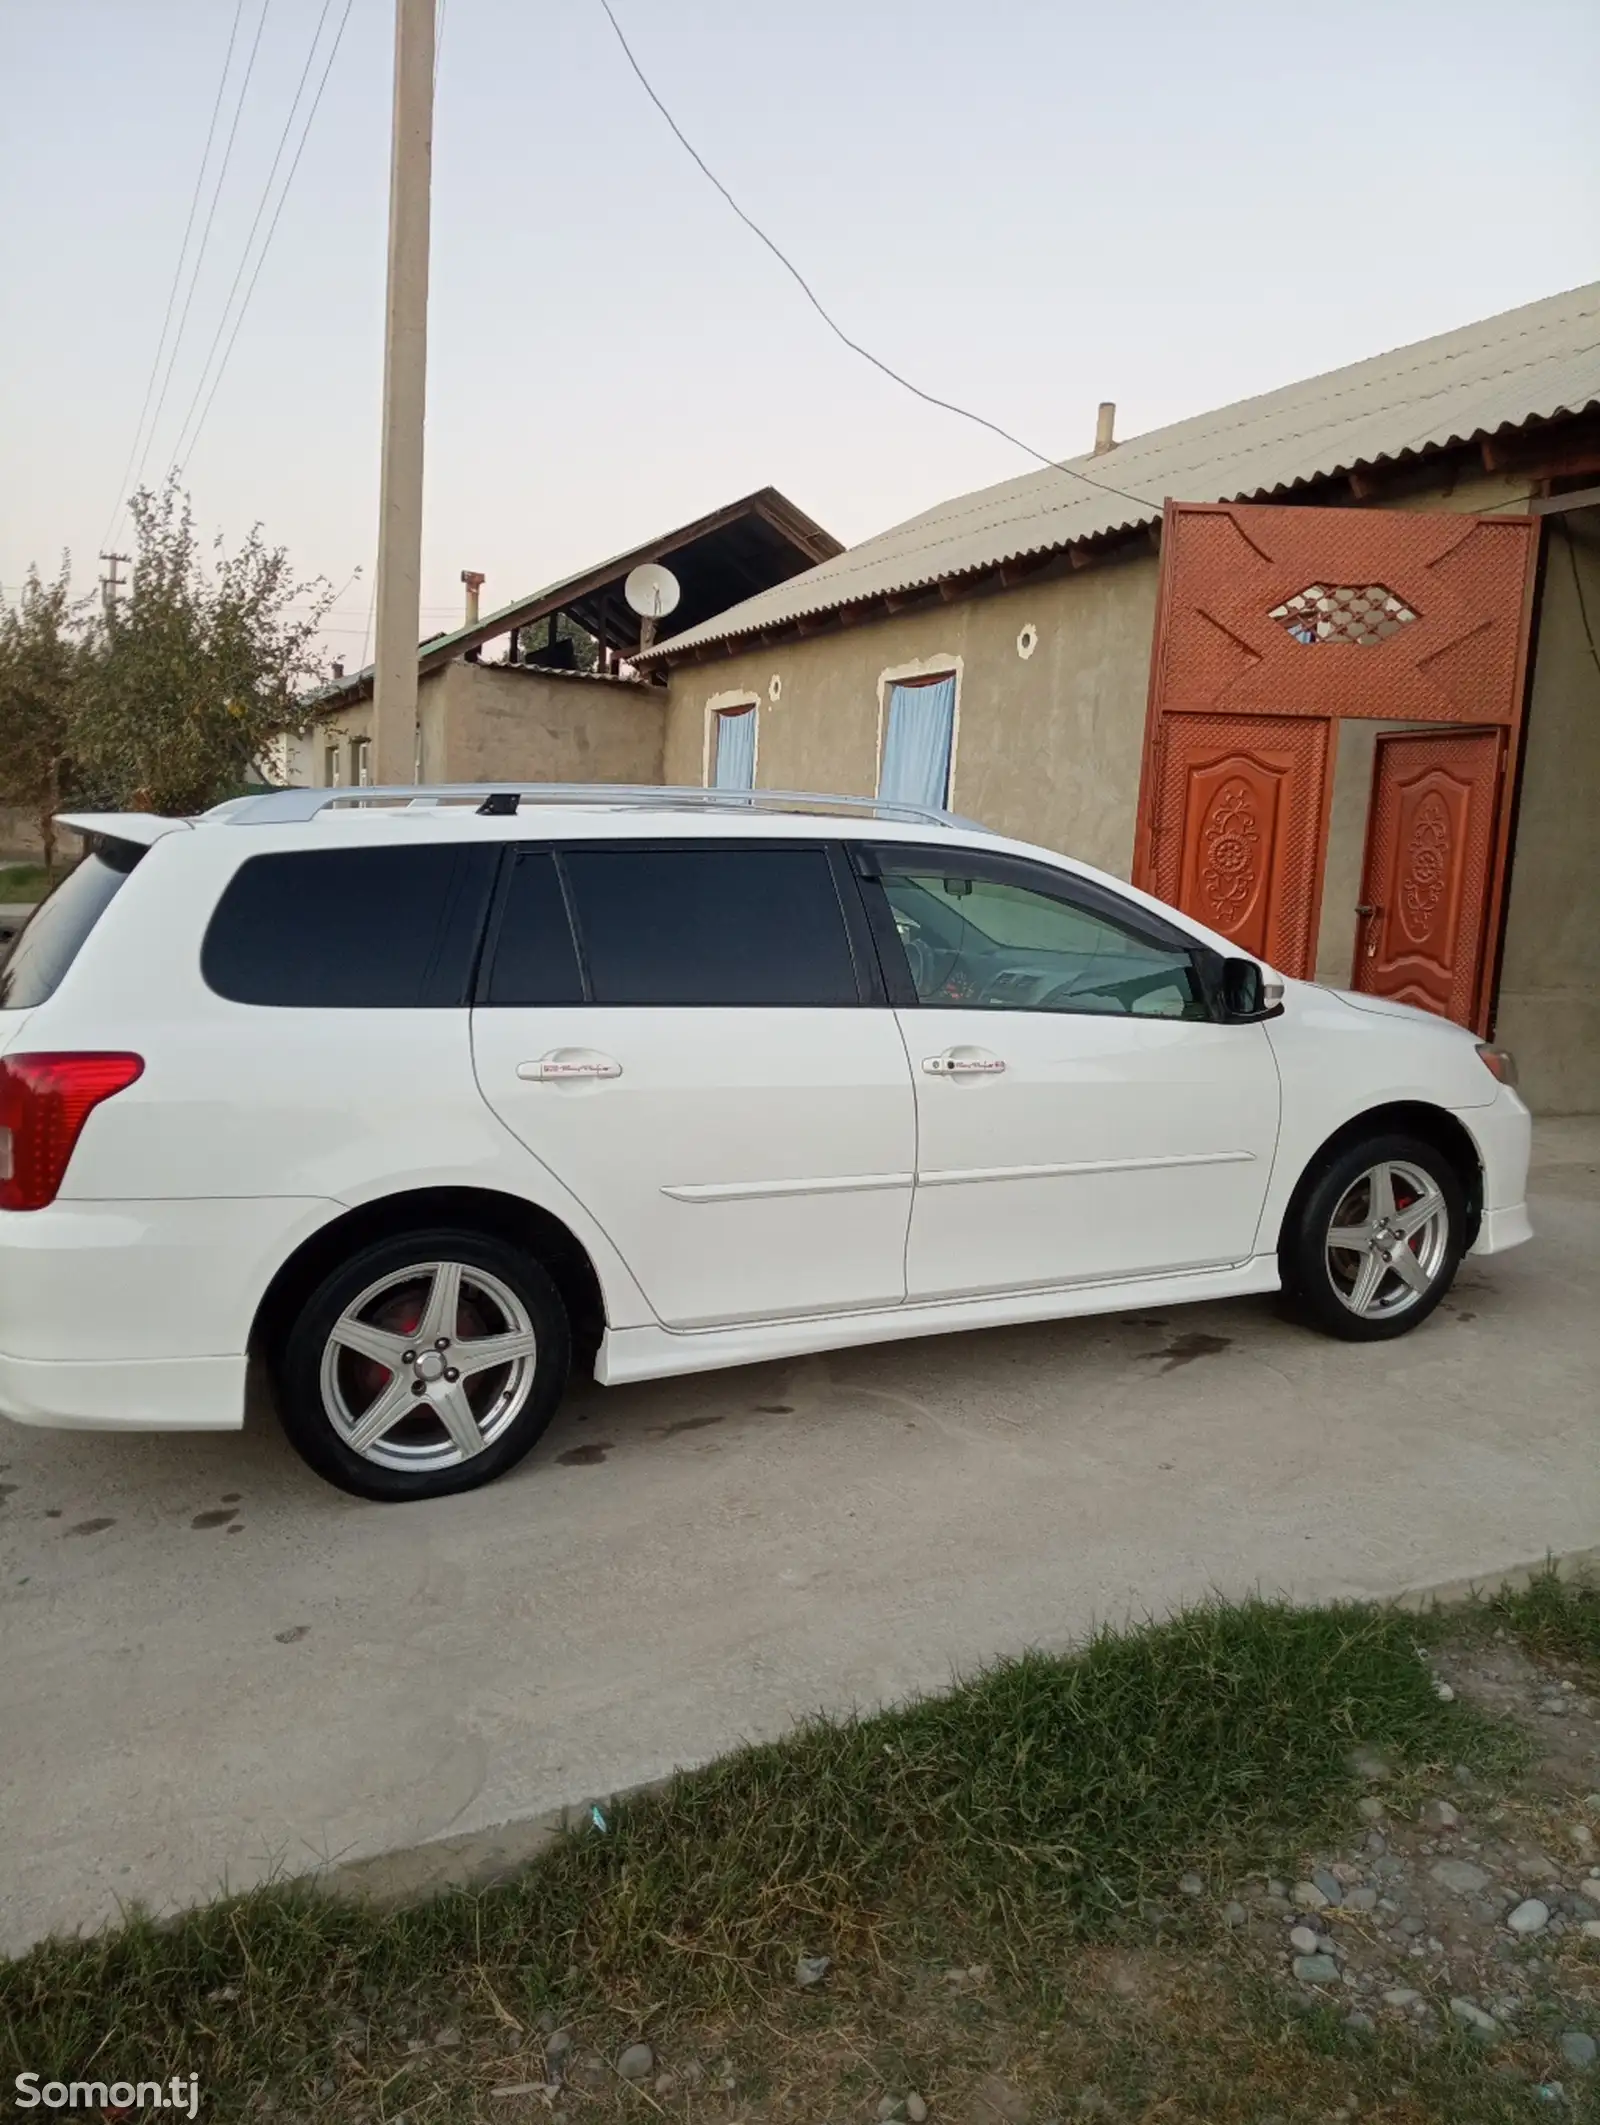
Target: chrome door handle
column 956, row 1062
column 569, row 1066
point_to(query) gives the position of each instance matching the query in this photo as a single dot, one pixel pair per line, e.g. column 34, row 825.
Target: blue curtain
column 916, row 746
column 736, row 749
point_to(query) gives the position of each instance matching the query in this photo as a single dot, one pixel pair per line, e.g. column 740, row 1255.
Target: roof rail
column 290, row 807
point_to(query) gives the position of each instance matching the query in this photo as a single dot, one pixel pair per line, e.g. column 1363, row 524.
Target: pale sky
column 1027, row 205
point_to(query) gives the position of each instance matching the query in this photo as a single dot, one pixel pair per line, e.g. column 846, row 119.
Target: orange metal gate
column 1274, row 621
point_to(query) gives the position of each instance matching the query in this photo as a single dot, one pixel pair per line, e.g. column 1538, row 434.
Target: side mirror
column 1242, row 990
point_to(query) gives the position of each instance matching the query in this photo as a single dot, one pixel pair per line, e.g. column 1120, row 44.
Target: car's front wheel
column 424, row 1364
column 1377, row 1239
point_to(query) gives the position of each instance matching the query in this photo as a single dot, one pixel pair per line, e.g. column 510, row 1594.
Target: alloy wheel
column 428, row 1366
column 1388, row 1240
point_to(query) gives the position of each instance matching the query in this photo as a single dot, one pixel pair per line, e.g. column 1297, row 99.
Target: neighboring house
column 524, row 710
column 1323, row 673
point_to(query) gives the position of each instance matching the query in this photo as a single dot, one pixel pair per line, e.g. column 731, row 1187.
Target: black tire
column 325, row 1388
column 1327, row 1286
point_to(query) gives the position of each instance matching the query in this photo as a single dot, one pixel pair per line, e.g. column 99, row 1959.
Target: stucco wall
column 1550, row 975
column 1047, row 747
column 479, row 723
column 532, row 726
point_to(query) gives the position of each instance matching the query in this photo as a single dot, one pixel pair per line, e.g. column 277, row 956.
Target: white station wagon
column 421, row 1097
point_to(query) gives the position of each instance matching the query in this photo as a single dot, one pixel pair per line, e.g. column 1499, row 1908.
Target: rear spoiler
column 142, row 828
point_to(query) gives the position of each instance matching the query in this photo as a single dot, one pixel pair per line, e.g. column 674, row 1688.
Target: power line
column 181, row 449
column 838, row 331
column 177, row 273
column 205, row 236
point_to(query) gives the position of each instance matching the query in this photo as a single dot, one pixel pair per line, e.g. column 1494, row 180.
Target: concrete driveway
column 213, row 1667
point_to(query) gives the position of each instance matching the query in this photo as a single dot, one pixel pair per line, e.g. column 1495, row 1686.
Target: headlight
column 1499, row 1062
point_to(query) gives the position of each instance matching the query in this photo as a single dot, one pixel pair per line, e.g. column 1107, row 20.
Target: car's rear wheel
column 425, row 1364
column 1376, row 1241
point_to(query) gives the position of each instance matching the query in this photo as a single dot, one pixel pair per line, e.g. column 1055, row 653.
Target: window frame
column 1085, row 895
column 864, row 958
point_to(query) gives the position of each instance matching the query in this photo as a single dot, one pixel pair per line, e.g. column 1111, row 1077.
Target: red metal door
column 1429, row 857
column 1244, row 798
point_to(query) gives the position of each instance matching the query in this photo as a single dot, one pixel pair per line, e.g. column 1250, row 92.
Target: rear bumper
column 136, row 1316
column 149, row 1394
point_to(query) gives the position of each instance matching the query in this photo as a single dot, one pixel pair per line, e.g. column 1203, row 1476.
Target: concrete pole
column 405, row 378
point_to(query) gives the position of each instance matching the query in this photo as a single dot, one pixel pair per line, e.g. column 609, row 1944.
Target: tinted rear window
column 723, row 925
column 351, row 929
column 55, row 932
column 534, row 958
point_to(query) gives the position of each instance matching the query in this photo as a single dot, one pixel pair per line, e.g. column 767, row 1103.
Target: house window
column 330, row 764
column 734, row 763
column 361, row 762
column 919, row 741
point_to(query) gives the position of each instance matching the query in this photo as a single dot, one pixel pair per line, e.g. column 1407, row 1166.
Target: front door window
column 987, row 945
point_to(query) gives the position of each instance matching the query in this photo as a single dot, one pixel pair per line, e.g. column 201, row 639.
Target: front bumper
column 1503, row 1133
column 1500, row 1229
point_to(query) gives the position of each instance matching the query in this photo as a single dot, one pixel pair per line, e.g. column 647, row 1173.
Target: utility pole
column 405, row 376
column 112, row 583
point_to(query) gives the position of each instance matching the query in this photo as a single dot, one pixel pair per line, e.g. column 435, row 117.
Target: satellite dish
column 651, row 590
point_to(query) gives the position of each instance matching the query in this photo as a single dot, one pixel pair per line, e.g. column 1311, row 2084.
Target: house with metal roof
column 543, row 688
column 1320, row 666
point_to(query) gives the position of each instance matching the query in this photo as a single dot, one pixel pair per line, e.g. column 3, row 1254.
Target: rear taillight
column 44, row 1102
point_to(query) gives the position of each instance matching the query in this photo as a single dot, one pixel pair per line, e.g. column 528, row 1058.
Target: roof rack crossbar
column 289, row 807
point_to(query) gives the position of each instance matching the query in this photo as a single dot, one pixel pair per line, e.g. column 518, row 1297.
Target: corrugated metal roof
column 1532, row 363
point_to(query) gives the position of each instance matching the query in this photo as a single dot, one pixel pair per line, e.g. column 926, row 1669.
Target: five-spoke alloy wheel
column 1377, row 1238
column 425, row 1364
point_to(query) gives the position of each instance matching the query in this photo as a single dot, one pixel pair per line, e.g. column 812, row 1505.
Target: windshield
column 54, row 934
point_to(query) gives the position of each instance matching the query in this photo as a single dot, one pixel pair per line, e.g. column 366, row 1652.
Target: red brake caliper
column 402, row 1318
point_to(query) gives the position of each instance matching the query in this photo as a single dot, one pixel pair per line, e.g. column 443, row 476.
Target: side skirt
column 655, row 1353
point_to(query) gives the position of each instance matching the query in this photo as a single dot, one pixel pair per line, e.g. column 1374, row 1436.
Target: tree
column 41, row 672
column 203, row 664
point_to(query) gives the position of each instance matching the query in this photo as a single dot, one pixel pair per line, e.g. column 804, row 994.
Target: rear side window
column 351, row 929
column 55, row 932
column 720, row 925
column 535, row 961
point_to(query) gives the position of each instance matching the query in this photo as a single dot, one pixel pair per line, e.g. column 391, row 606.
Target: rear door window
column 351, row 929
column 55, row 932
column 726, row 923
column 535, row 959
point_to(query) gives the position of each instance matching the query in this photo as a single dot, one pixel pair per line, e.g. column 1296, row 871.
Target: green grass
column 1021, row 1816
column 1553, row 1617
column 25, row 881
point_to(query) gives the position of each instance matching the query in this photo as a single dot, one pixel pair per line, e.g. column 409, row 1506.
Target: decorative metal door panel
column 1280, row 611
column 1238, row 829
column 1429, row 856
